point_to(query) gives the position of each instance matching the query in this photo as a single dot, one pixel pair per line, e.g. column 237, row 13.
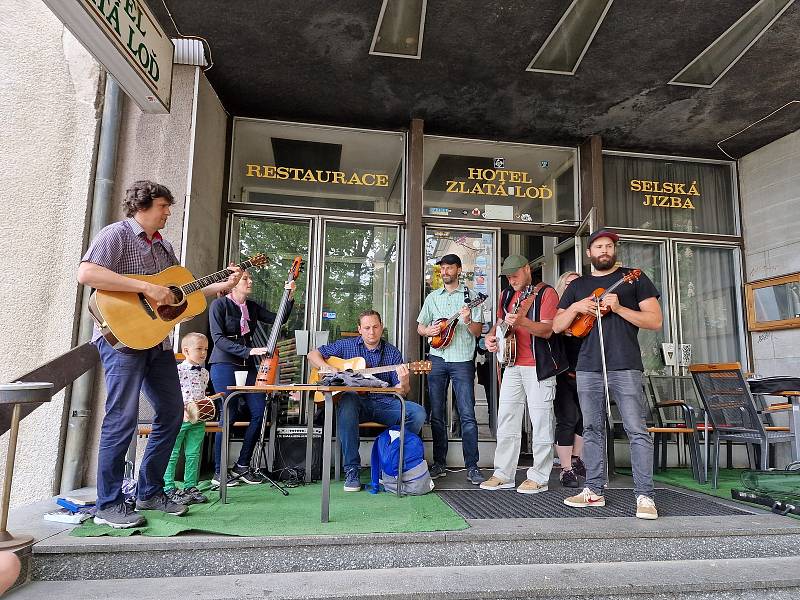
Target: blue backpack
column 385, row 457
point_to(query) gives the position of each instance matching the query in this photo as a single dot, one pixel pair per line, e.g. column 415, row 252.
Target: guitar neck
column 199, row 284
column 384, row 369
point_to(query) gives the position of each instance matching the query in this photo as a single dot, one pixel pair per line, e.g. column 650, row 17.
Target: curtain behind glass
column 713, row 210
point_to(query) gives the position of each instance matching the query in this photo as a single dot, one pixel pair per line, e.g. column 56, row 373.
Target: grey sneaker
column 119, row 516
column 231, row 482
column 475, row 476
column 246, row 475
column 163, row 503
column 177, row 496
column 352, row 480
column 438, row 471
column 194, row 496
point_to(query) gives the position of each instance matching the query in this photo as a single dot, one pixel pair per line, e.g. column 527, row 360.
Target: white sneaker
column 586, row 498
column 646, row 508
column 495, row 483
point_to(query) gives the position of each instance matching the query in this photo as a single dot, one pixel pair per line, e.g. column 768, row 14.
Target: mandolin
column 132, row 319
column 583, row 324
column 268, row 362
column 448, row 325
column 359, row 365
column 506, row 340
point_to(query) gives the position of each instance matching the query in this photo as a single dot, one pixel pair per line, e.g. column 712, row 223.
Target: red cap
column 603, row 233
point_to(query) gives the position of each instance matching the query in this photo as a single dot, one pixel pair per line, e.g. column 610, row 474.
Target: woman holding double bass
column 238, row 346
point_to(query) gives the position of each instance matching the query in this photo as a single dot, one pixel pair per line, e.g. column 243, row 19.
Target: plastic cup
column 241, row 378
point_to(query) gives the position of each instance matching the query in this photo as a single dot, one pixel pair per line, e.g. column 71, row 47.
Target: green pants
column 192, row 434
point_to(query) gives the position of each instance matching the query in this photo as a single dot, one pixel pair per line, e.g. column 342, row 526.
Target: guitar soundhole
column 170, row 313
column 178, row 293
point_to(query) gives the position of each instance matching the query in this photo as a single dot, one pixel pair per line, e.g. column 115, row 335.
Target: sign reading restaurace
column 316, row 175
column 125, row 37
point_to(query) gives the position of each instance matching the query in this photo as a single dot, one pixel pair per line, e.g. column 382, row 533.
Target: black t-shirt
column 619, row 335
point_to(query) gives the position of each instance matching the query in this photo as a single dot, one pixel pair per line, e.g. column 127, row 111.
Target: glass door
column 359, row 272
column 476, row 249
column 651, row 258
column 710, row 316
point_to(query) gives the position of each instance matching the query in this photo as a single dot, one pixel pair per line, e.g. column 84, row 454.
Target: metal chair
column 733, row 412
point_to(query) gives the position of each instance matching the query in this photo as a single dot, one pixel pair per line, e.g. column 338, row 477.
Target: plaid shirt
column 384, row 354
column 123, row 247
column 441, row 304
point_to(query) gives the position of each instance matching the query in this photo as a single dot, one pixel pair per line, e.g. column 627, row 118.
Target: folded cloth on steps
column 352, row 379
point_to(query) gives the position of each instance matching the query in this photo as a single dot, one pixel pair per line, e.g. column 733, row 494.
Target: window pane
column 320, row 167
column 479, row 180
column 360, row 273
column 668, row 195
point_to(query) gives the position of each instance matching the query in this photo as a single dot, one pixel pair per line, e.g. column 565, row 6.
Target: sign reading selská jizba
column 125, row 37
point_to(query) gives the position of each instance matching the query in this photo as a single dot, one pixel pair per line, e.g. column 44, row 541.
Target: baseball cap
column 603, row 233
column 449, row 259
column 512, row 264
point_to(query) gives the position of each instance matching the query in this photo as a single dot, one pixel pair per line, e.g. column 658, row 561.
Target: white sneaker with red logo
column 586, row 498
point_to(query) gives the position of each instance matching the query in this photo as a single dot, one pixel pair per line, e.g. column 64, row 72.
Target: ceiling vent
column 564, row 48
column 400, row 28
column 713, row 62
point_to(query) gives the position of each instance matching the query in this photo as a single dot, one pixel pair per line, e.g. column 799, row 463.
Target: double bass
column 583, row 324
column 268, row 365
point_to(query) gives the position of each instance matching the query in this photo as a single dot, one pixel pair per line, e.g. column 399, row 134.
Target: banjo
column 506, row 340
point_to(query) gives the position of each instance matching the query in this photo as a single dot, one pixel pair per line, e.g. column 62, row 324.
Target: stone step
column 486, row 542
column 743, row 579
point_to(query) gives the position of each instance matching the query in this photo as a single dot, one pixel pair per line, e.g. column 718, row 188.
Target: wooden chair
column 733, row 412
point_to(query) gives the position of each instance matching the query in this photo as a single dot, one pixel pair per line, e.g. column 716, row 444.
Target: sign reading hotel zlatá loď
column 316, row 175
column 493, row 182
column 125, row 37
column 662, row 193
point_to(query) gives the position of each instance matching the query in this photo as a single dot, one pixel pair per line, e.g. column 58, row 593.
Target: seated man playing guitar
column 352, row 408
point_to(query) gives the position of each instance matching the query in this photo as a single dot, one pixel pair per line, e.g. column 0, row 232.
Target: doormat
column 508, row 504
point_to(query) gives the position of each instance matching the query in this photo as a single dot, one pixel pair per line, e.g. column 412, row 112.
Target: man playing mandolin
column 632, row 305
column 134, row 246
column 352, row 408
column 453, row 361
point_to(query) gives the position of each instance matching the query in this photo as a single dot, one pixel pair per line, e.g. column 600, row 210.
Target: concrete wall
column 770, row 189
column 49, row 117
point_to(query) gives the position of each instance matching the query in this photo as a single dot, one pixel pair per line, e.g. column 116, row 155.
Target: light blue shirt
column 441, row 304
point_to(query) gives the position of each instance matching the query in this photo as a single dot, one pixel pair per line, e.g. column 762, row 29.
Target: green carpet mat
column 259, row 510
column 728, row 479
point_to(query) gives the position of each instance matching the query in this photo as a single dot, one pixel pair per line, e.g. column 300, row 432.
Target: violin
column 268, row 365
column 583, row 324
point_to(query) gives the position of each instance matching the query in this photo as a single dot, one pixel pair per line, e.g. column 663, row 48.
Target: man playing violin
column 454, row 362
column 633, row 306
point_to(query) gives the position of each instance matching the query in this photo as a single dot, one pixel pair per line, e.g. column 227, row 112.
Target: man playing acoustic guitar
column 134, row 246
column 453, row 362
column 633, row 306
column 351, row 408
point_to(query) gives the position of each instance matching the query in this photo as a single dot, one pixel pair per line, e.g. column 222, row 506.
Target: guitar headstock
column 526, row 293
column 480, row 299
column 259, row 260
column 420, row 366
column 632, row 276
column 294, row 270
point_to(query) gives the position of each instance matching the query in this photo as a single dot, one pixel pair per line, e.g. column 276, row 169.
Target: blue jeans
column 462, row 374
column 128, row 373
column 222, row 376
column 625, row 388
column 352, row 409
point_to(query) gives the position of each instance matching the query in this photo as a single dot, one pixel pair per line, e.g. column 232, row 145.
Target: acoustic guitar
column 132, row 319
column 506, row 340
column 449, row 324
column 359, row 365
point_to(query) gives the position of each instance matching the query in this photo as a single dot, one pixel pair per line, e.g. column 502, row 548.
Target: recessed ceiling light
column 713, row 62
column 399, row 30
column 564, row 48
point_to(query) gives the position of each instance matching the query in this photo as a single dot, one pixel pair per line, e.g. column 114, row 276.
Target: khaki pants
column 520, row 385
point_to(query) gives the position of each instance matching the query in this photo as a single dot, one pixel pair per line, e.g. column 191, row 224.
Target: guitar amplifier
column 290, row 451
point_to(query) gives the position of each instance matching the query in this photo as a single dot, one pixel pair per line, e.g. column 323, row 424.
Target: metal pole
column 605, row 377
